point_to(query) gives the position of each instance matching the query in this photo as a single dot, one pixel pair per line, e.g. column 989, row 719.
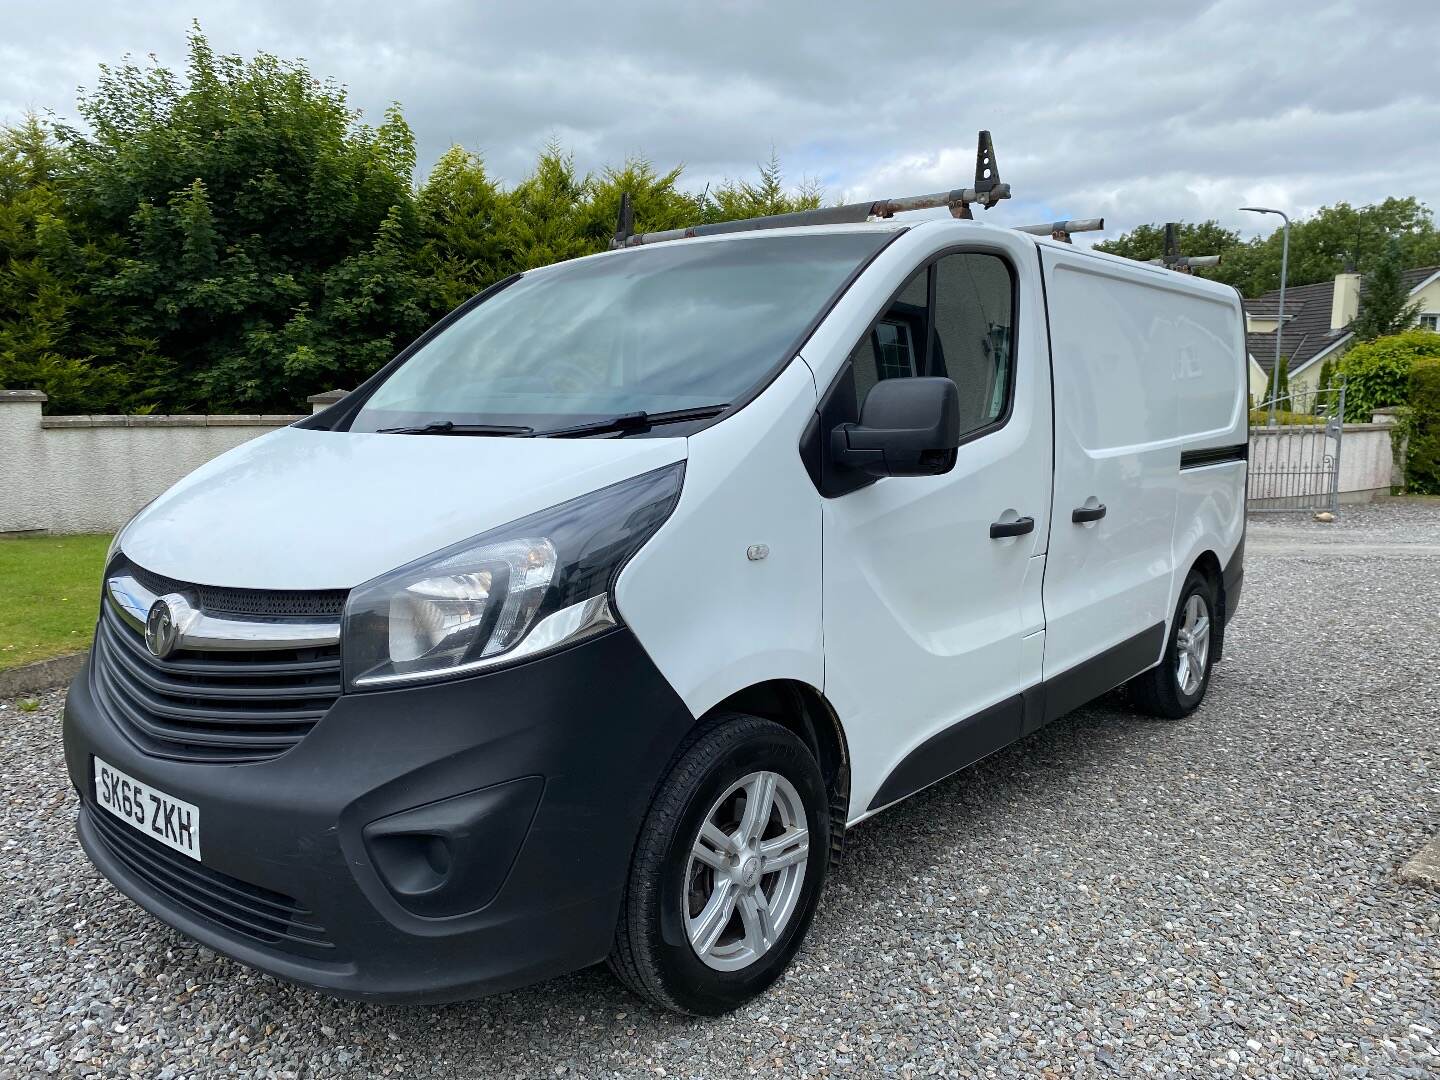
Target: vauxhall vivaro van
column 587, row 627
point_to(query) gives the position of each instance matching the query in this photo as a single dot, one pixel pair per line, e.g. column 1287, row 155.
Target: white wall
column 1289, row 461
column 89, row 474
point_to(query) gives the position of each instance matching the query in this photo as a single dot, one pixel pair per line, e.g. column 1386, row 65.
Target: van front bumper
column 534, row 778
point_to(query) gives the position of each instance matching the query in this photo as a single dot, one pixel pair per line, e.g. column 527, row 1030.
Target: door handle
column 1019, row 527
column 1081, row 514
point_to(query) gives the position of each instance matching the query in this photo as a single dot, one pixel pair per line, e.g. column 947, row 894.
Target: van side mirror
column 908, row 427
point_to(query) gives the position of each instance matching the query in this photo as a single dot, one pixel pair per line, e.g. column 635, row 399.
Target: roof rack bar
column 988, row 191
column 1187, row 261
column 1061, row 230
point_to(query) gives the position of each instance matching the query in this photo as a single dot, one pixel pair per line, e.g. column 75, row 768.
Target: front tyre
column 1177, row 685
column 727, row 869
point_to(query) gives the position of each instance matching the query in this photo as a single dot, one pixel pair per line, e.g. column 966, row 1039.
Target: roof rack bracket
column 988, row 189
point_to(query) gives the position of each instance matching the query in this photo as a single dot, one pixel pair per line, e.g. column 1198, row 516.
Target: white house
column 1317, row 320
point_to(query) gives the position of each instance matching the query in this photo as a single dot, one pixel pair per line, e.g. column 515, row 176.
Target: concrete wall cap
column 23, row 395
column 167, row 420
column 329, row 397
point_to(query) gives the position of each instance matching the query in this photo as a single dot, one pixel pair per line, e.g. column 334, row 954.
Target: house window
column 1430, row 321
column 897, row 351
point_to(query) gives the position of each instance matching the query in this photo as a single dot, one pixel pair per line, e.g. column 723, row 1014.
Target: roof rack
column 1061, row 230
column 988, row 191
column 1173, row 260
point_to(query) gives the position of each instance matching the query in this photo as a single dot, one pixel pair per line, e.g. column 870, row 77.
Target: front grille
column 216, row 707
column 268, row 917
column 318, row 603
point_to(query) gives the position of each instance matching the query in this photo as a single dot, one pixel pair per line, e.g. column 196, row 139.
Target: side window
column 895, row 347
column 973, row 344
column 965, row 334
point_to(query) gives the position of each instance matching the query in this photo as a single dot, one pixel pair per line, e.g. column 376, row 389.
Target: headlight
column 514, row 592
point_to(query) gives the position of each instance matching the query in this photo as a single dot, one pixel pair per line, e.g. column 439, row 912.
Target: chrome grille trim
column 132, row 601
column 233, row 700
column 266, row 603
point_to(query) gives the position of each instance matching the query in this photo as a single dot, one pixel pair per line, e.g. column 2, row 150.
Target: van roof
column 1159, row 274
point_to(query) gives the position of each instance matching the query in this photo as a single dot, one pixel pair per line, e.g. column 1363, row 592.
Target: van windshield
column 671, row 328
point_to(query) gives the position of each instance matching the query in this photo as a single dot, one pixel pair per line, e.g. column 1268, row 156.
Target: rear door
column 933, row 629
column 1107, row 583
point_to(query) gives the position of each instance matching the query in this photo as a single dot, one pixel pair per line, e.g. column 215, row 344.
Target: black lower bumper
column 534, row 778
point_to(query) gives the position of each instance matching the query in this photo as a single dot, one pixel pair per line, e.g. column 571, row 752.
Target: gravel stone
column 1114, row 896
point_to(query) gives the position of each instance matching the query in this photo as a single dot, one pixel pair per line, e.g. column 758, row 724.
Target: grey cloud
column 1139, row 111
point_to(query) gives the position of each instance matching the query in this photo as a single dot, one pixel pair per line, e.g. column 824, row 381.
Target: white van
column 588, row 627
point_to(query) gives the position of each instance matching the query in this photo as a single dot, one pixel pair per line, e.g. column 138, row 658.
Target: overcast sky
column 1138, row 112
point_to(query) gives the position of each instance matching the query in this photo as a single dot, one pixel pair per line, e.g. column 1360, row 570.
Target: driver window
column 973, row 307
column 895, row 346
column 965, row 334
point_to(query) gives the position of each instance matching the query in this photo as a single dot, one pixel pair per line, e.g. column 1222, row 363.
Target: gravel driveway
column 1113, row 896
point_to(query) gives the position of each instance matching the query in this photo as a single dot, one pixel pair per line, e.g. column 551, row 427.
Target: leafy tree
column 475, row 232
column 1333, row 239
column 736, row 199
column 1385, row 306
column 250, row 218
column 462, row 215
column 55, row 334
column 234, row 238
column 1321, row 246
column 656, row 199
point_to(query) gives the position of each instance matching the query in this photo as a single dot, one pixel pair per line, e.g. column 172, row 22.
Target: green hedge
column 233, row 238
column 1422, row 466
column 1377, row 373
column 1261, row 417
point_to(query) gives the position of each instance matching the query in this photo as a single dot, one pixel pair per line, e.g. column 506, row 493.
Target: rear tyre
column 1177, row 685
column 727, row 869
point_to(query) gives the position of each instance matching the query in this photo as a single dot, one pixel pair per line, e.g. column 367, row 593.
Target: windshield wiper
column 634, row 421
column 449, row 427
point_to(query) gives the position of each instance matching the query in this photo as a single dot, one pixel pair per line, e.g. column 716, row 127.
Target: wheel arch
column 804, row 710
column 1208, row 563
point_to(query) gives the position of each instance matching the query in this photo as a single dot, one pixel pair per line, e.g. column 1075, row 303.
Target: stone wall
column 89, row 474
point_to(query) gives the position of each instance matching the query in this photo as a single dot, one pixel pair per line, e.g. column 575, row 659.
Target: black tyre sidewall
column 1195, row 585
column 689, row 980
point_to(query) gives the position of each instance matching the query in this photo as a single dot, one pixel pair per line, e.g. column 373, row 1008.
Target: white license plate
column 174, row 822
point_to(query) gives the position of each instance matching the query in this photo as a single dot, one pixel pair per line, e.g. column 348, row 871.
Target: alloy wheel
column 746, row 870
column 1192, row 645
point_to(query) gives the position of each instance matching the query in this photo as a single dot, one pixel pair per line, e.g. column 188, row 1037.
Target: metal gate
column 1296, row 465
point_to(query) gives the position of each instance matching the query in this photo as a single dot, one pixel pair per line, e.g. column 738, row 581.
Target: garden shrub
column 1422, row 466
column 1377, row 373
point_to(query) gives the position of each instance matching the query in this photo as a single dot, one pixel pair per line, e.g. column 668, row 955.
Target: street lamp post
column 1280, row 321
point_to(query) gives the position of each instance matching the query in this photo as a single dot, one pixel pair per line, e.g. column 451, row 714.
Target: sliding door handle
column 1081, row 514
column 1019, row 527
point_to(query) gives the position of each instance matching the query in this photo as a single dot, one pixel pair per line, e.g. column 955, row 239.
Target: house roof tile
column 1306, row 332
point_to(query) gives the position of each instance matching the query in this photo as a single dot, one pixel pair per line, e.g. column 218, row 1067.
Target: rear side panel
column 1148, row 366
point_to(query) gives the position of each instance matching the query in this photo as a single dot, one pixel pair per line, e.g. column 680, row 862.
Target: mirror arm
column 862, row 458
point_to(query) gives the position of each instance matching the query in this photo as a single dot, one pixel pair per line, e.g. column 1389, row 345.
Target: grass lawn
column 49, row 595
